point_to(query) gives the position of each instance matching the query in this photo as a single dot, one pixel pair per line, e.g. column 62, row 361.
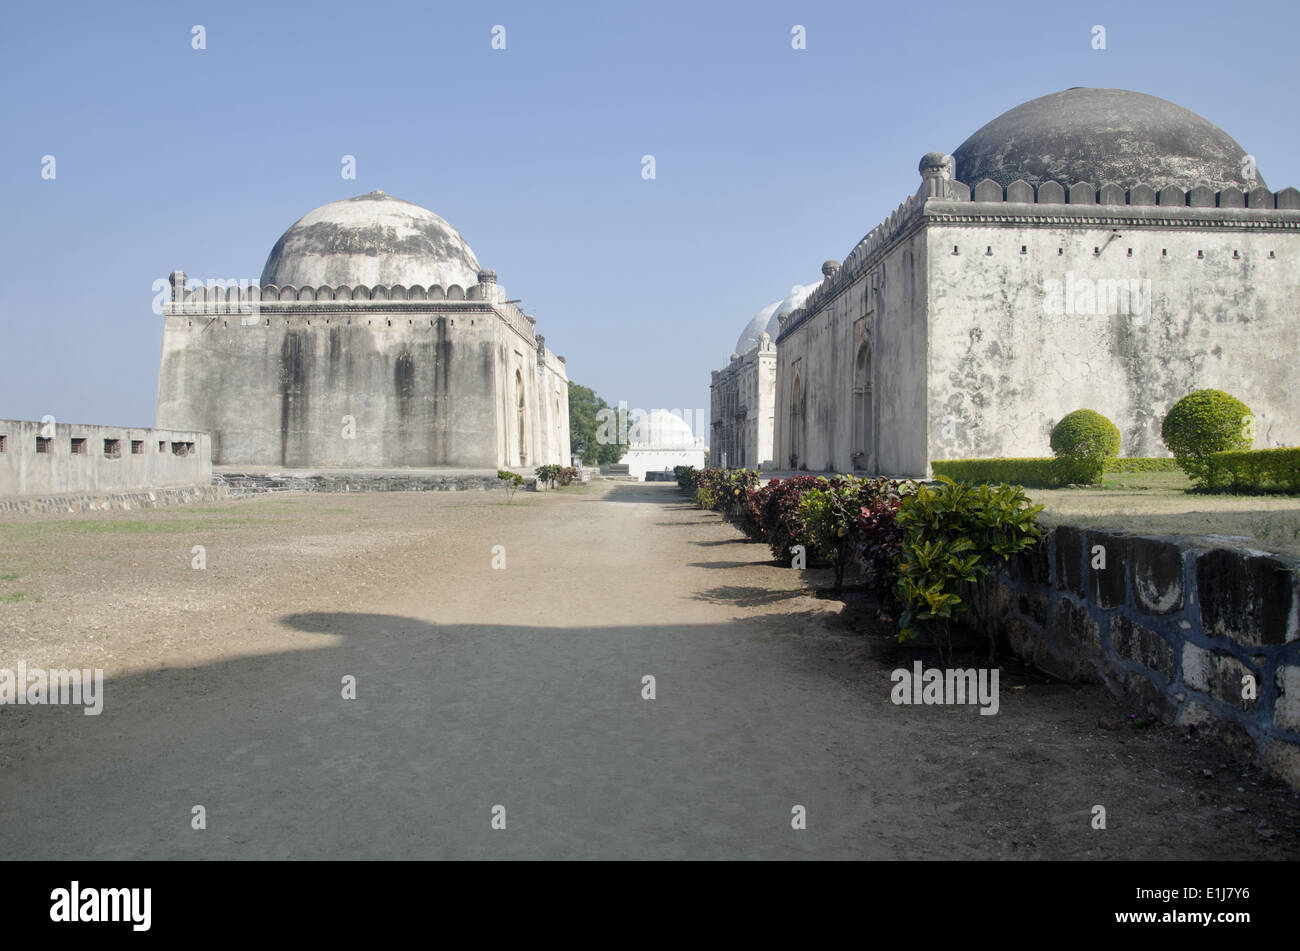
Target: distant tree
column 592, row 422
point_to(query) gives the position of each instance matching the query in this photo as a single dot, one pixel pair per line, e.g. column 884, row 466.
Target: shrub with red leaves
column 881, row 540
column 779, row 515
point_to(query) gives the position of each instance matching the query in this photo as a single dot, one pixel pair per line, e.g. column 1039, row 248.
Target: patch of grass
column 14, row 597
column 21, row 531
column 1148, row 481
column 9, row 577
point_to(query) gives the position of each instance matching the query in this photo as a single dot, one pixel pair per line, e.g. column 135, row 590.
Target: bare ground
column 522, row 688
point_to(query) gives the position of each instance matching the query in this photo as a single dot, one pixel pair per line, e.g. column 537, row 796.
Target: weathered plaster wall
column 884, row 307
column 273, row 389
column 552, row 418
column 1216, row 307
column 742, row 400
column 185, row 459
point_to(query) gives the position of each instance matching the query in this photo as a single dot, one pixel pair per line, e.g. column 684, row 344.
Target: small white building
column 659, row 441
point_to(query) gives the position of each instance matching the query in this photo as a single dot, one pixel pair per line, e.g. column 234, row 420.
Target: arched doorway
column 523, row 418
column 863, row 422
column 796, row 424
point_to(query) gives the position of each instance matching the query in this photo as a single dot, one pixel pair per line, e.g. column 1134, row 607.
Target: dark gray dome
column 1099, row 136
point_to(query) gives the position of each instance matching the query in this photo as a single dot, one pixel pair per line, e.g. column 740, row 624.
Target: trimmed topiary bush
column 1206, row 422
column 1084, row 441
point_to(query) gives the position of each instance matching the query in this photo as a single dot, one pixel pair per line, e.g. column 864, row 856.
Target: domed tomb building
column 1094, row 248
column 373, row 340
column 742, row 395
column 658, row 442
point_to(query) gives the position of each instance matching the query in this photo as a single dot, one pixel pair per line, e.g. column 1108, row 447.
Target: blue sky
column 768, row 159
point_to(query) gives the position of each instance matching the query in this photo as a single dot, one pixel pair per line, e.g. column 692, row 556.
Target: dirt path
column 522, row 688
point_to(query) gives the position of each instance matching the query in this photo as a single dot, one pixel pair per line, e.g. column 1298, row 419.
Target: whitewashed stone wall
column 954, row 301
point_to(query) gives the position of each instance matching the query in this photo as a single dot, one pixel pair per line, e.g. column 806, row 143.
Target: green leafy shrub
column 1040, row 473
column 1082, row 442
column 511, row 481
column 953, row 533
column 778, row 512
column 707, row 497
column 1253, row 471
column 1206, row 422
column 725, row 490
column 831, row 516
column 548, row 474
column 685, row 477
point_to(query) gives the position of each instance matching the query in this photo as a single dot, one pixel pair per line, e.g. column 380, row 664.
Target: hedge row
column 1258, row 470
column 917, row 545
column 1039, row 473
column 1035, row 473
column 1140, row 464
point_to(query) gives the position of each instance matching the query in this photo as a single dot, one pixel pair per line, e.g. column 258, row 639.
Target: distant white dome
column 757, row 325
column 798, row 294
column 660, row 429
column 767, row 321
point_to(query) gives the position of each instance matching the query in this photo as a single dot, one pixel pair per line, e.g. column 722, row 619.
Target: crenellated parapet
column 1139, row 195
column 223, row 298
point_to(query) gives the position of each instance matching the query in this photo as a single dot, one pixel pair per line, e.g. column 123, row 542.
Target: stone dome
column 1100, row 136
column 768, row 320
column 757, row 325
column 798, row 294
column 371, row 239
column 660, row 429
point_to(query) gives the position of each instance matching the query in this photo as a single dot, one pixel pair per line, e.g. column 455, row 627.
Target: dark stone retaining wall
column 1170, row 624
column 242, row 484
column 124, row 501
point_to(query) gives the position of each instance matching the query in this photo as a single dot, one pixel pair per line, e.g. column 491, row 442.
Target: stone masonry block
column 1156, row 575
column 1073, row 641
column 1283, row 760
column 1286, row 713
column 1106, row 564
column 1250, row 598
column 1134, row 642
column 1217, row 674
column 1069, row 560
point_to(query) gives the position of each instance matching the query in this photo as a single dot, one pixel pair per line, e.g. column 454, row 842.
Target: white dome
column 798, row 294
column 660, row 429
column 756, row 326
column 368, row 240
column 767, row 321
